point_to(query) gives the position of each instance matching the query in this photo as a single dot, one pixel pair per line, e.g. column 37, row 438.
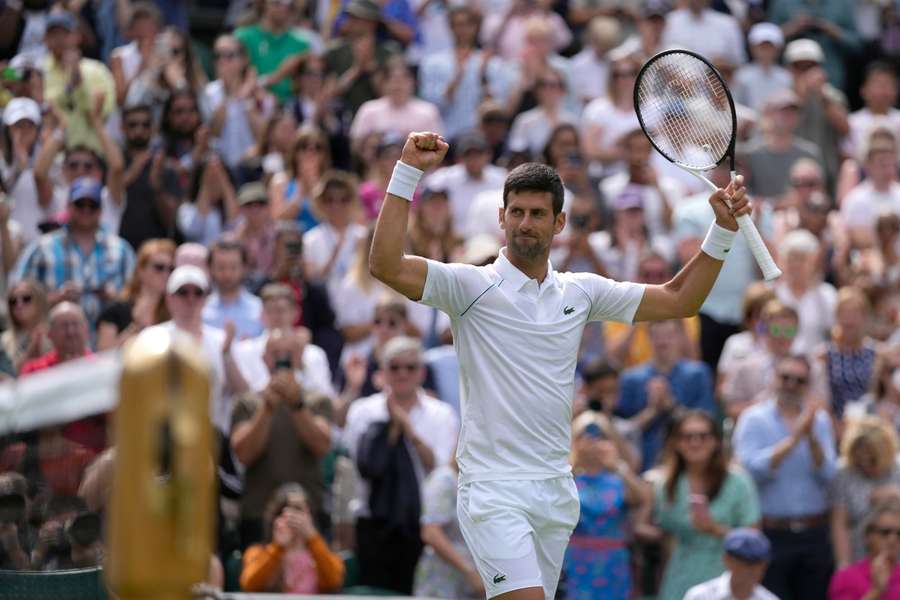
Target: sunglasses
column 695, row 436
column 549, row 84
column 388, row 322
column 409, row 367
column 886, row 531
column 162, row 267
column 190, row 292
column 24, row 300
column 806, row 183
column 792, row 379
column 786, row 331
column 80, row 165
column 313, row 147
column 226, row 54
column 138, row 124
column 183, row 110
column 86, row 205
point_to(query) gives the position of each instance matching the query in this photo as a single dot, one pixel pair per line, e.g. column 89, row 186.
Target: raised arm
column 387, row 261
column 685, row 293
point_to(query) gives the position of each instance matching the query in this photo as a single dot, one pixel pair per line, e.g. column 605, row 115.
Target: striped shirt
column 55, row 258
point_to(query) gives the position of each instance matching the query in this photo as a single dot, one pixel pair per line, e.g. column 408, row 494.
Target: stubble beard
column 529, row 252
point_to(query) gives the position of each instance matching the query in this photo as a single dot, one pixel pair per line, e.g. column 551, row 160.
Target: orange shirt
column 640, row 350
column 262, row 562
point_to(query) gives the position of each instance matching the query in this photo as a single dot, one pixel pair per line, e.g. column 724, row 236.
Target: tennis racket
column 686, row 111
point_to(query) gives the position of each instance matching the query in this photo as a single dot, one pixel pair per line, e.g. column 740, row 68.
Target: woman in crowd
column 749, row 341
column 699, row 499
column 877, row 576
column 292, row 189
column 172, row 67
column 431, row 232
column 143, row 301
column 378, row 173
column 883, row 398
column 608, row 490
column 607, row 118
column 445, row 569
column 868, row 472
column 26, row 336
column 273, row 144
column 18, row 149
column 531, row 129
column 296, row 559
column 563, row 142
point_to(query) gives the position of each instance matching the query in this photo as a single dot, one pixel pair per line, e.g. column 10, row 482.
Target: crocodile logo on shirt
column 499, row 578
column 568, row 310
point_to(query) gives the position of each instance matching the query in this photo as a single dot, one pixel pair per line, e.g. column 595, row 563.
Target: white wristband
column 718, row 241
column 404, row 181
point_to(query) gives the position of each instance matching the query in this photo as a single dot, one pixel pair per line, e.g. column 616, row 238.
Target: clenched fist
column 424, row 150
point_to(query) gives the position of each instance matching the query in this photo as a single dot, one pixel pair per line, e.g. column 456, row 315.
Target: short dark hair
column 881, row 66
column 227, row 245
column 797, row 358
column 130, row 109
column 599, row 369
column 144, row 10
column 535, row 177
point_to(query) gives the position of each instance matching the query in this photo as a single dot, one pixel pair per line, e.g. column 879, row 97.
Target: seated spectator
column 292, row 189
column 746, row 555
column 802, row 289
column 600, row 394
column 377, row 172
column 741, row 346
column 649, row 392
column 709, row 32
column 277, row 435
column 446, row 569
column 531, row 129
column 22, row 126
column 172, row 68
column 757, row 80
column 879, row 93
column 868, row 471
column 699, row 499
column 883, row 398
column 142, row 303
column 608, row 490
column 853, row 171
column 296, row 559
column 273, row 144
column 786, row 443
column 230, row 302
column 127, row 62
column 26, row 337
column 255, row 232
column 504, row 31
column 16, row 536
column 431, row 231
column 877, row 575
column 590, row 67
column 879, row 192
column 388, row 515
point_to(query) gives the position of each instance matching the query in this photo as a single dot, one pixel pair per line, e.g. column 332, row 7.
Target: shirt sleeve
column 823, row 432
column 611, row 300
column 751, row 449
column 453, row 288
column 260, row 565
column 747, row 510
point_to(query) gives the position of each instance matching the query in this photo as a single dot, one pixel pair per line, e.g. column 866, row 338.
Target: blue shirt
column 245, row 313
column 692, row 386
column 797, row 487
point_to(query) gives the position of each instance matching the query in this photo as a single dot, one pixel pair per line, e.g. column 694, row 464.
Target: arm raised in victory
column 387, row 261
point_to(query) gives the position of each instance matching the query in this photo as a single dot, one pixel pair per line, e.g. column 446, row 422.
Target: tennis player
column 517, row 326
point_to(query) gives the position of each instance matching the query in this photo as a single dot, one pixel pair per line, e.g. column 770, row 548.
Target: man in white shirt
column 473, row 174
column 517, row 327
column 589, row 68
column 879, row 92
column 705, row 31
column 746, row 557
column 879, row 192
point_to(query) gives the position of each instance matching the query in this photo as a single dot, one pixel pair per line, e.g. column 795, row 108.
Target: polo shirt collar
column 516, row 278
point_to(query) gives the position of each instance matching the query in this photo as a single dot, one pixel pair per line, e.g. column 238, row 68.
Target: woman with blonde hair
column 143, row 300
column 26, row 336
column 607, row 118
column 868, row 471
column 431, row 231
column 608, row 490
column 292, row 189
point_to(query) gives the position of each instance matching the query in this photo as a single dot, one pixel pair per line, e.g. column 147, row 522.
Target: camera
column 283, row 363
column 84, row 530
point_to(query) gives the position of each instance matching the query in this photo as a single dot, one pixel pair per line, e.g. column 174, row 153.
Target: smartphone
column 698, row 505
column 283, row 363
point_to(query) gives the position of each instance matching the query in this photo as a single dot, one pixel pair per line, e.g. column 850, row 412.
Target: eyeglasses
column 548, row 83
column 314, row 147
column 190, row 292
column 86, row 205
column 792, row 379
column 409, row 367
column 806, row 183
column 388, row 322
column 183, row 110
column 24, row 300
column 162, row 267
column 80, row 165
column 226, row 54
column 783, row 331
column 695, row 436
column 886, row 531
column 336, row 199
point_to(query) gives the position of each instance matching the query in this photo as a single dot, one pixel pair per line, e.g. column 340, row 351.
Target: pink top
column 381, row 116
column 852, row 583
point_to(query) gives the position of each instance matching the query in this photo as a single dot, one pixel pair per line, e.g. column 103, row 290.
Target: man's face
column 791, row 380
column 464, row 28
column 279, row 313
column 882, row 166
column 183, row 116
column 529, row 223
column 84, row 214
column 880, row 90
column 748, row 573
column 68, row 333
column 81, row 164
column 186, row 304
column 398, row 83
column 475, row 160
column 138, row 126
column 665, row 337
column 58, row 40
column 227, row 270
column 279, row 10
column 404, row 373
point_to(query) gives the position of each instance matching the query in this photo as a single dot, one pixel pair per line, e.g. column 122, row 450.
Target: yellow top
column 640, row 350
column 75, row 105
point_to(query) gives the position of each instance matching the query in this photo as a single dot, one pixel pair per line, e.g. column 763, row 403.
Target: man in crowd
column 231, row 302
column 879, row 192
column 787, row 444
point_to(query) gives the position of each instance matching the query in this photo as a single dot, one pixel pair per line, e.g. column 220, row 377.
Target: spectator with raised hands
column 172, row 68
column 878, row 574
column 128, row 62
column 20, row 142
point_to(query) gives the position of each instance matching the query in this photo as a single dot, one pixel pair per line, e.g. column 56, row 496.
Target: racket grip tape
column 760, row 252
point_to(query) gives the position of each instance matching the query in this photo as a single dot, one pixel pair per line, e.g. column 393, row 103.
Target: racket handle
column 758, row 247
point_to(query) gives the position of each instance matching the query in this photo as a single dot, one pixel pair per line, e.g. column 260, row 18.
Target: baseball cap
column 85, row 188
column 804, row 50
column 364, row 9
column 252, row 192
column 747, row 544
column 628, row 198
column 782, row 99
column 480, row 249
column 765, row 32
column 62, row 19
column 21, row 108
column 187, row 275
column 654, row 8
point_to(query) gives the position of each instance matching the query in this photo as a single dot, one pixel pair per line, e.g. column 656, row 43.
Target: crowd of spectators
column 228, row 187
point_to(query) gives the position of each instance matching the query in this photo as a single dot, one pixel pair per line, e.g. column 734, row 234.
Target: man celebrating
column 517, row 326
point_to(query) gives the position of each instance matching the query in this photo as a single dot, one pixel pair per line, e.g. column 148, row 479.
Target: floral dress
column 597, row 560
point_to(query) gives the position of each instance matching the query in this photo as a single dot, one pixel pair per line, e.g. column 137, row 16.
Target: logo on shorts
column 568, row 310
column 499, row 578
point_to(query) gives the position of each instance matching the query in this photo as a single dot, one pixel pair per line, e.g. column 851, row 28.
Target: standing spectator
column 230, row 300
column 274, row 48
column 878, row 192
column 142, row 302
column 25, row 337
column 292, row 189
column 711, row 33
column 756, row 81
column 698, row 501
column 650, row 391
column 81, row 262
column 21, row 126
column 397, row 110
column 456, row 80
column 172, row 68
column 868, row 472
column 590, row 67
column 608, row 490
column 504, row 31
column 802, row 289
column 256, row 232
column 396, row 437
column 878, row 575
column 431, row 232
column 532, row 128
column 472, row 175
column 879, row 92
column 746, row 557
column 607, row 118
column 278, row 436
column 297, row 559
column 127, row 62
column 786, row 443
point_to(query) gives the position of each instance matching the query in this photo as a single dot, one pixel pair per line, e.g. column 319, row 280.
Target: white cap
column 187, row 275
column 480, row 248
column 804, row 50
column 21, row 108
column 765, row 32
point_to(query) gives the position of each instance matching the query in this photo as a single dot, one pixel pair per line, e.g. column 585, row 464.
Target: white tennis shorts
column 518, row 530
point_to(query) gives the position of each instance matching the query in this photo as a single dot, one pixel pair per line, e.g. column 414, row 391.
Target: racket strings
column 685, row 110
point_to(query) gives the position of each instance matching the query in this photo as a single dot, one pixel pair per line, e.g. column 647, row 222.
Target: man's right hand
column 424, row 150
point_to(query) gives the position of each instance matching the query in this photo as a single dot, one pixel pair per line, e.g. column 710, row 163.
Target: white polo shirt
column 517, row 344
column 720, row 589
